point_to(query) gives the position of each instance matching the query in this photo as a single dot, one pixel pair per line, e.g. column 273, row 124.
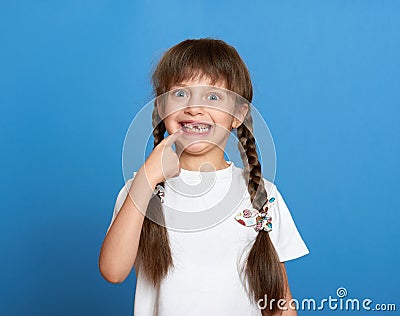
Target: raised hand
column 163, row 162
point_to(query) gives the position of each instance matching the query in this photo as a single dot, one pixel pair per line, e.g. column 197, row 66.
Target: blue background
column 73, row 74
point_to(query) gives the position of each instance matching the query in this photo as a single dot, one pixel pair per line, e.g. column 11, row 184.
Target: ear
column 240, row 115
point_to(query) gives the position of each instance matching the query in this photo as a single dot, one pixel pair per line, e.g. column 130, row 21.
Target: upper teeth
column 198, row 126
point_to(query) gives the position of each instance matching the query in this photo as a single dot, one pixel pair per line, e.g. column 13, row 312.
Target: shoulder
column 270, row 187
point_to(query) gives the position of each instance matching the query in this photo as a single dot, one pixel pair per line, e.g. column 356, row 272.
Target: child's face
column 205, row 113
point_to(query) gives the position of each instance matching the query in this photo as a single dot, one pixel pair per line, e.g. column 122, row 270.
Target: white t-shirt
column 208, row 256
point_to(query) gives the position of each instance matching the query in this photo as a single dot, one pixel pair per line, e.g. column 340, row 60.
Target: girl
column 231, row 263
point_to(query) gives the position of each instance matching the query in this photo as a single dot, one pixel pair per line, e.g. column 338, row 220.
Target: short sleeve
column 123, row 193
column 284, row 235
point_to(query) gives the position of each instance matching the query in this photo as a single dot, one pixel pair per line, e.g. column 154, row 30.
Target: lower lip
column 194, row 133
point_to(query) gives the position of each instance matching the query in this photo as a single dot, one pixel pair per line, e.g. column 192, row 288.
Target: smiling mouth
column 195, row 128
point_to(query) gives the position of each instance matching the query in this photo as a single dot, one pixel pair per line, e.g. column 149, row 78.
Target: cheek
column 170, row 124
column 224, row 120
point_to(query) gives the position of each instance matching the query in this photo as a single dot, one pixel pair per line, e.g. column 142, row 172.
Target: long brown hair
column 217, row 61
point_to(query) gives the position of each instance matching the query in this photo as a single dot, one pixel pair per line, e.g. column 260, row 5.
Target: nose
column 194, row 109
column 194, row 106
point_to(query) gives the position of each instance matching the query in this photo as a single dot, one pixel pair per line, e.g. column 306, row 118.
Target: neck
column 204, row 163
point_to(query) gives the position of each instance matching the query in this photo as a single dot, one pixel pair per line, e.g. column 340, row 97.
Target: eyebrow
column 183, row 85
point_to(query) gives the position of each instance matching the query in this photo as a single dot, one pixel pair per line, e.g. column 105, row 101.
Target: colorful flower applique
column 160, row 192
column 259, row 220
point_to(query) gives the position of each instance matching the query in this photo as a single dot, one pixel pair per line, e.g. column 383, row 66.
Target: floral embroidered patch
column 259, row 220
column 160, row 192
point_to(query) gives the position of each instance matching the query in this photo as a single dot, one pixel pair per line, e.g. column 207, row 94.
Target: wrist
column 148, row 173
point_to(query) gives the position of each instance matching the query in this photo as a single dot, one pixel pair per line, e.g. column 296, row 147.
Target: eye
column 213, row 97
column 180, row 93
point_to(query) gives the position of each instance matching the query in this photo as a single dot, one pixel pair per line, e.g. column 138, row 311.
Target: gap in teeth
column 196, row 128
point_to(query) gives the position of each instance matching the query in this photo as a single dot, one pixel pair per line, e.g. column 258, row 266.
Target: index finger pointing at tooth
column 173, row 137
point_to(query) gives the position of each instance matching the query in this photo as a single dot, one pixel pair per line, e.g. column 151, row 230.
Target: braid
column 158, row 127
column 252, row 170
column 154, row 252
column 262, row 266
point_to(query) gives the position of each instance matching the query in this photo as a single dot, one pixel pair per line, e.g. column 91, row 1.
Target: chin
column 196, row 148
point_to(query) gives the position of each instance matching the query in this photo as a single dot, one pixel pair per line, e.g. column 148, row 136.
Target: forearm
column 119, row 249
